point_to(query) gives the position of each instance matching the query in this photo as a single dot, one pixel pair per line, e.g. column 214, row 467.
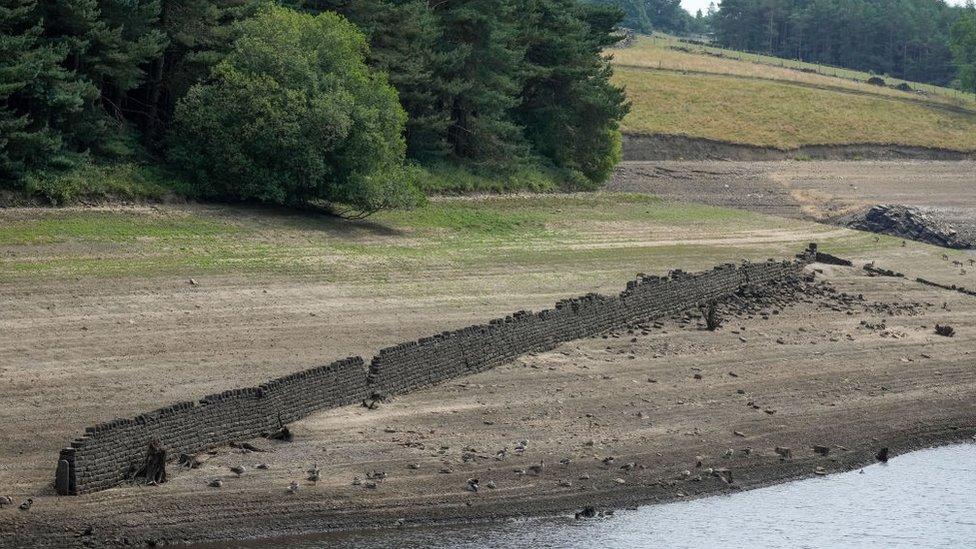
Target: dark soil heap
column 912, row 223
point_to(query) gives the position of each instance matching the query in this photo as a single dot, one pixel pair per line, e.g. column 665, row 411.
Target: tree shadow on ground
column 309, row 217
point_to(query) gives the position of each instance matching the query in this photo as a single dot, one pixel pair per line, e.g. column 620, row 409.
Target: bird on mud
column 313, row 473
column 27, row 504
column 215, row 483
column 5, row 500
column 293, row 487
column 882, row 455
column 238, row 470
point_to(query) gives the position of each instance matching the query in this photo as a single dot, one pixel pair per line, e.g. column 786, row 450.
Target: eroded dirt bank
column 638, row 147
column 843, row 373
column 827, row 191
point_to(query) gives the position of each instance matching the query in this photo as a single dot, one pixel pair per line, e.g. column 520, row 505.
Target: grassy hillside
column 747, row 99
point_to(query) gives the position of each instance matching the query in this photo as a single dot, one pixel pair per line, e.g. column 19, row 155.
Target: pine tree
column 570, row 110
column 483, row 75
column 403, row 43
column 198, row 34
column 963, row 44
column 108, row 44
column 35, row 91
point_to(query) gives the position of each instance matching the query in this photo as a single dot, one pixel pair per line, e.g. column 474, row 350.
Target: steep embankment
column 735, row 109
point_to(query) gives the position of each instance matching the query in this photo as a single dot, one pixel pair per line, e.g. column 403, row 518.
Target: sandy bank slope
column 806, row 376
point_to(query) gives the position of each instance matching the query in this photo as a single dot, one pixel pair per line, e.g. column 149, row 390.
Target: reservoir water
column 919, row 500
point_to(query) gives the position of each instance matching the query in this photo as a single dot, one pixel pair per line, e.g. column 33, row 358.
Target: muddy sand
column 852, row 377
column 820, row 190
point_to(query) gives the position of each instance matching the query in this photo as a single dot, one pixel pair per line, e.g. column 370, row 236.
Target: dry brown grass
column 658, row 52
column 735, row 105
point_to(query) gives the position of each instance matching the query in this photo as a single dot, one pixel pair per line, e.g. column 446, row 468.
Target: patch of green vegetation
column 601, row 232
column 102, row 182
column 450, row 178
column 471, row 217
column 106, row 226
column 859, row 242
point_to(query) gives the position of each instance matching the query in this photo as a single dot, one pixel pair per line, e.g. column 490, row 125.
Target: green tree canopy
column 36, row 92
column 907, row 39
column 293, row 113
column 963, row 45
column 569, row 109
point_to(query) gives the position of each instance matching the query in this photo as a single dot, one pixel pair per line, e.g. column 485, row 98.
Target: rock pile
column 909, row 222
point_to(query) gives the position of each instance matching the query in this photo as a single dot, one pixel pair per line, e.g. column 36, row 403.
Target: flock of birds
column 314, row 474
column 945, row 257
column 960, row 264
column 6, row 500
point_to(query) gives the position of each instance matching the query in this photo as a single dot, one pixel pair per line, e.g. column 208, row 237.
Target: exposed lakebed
column 923, row 499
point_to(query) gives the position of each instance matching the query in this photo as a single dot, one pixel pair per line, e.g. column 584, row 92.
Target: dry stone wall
column 407, row 366
column 110, row 453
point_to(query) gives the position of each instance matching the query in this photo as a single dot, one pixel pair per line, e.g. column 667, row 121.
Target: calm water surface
column 924, row 499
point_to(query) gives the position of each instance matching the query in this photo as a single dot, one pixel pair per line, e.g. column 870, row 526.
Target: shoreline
column 785, row 473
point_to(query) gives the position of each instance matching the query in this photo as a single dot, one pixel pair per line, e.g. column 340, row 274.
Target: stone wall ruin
column 111, row 453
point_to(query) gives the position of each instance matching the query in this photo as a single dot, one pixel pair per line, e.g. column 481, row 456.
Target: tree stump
column 154, row 466
column 712, row 320
column 282, row 433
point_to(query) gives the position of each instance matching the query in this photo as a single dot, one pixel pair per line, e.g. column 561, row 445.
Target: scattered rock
column 586, row 512
column 822, row 450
